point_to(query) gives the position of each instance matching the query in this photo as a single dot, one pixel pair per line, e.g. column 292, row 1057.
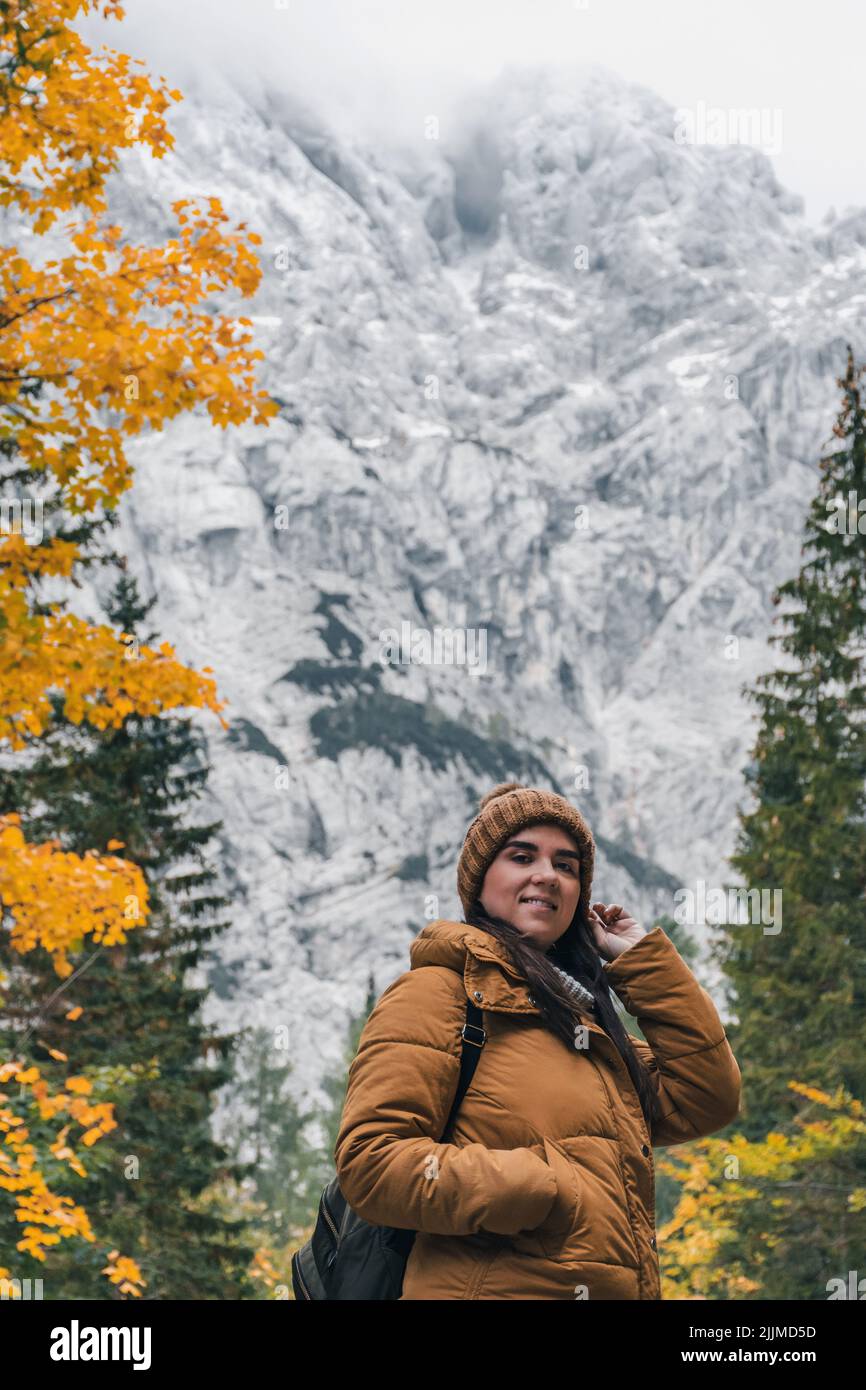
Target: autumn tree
column 136, row 1005
column 780, row 1217
column 101, row 339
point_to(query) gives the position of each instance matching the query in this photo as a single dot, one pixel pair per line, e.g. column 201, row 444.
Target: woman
column 545, row 1188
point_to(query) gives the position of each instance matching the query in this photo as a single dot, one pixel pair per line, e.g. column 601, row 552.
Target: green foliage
column 286, row 1170
column 800, row 993
column 283, row 1168
column 336, row 1085
column 136, row 784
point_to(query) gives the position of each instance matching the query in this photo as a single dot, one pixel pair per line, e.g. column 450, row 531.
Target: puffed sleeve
column 392, row 1169
column 687, row 1051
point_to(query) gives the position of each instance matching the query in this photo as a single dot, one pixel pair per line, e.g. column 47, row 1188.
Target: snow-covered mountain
column 547, row 376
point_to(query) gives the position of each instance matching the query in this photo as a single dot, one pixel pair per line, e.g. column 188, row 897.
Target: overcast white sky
column 388, row 61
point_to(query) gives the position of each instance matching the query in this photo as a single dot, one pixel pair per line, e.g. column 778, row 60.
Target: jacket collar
column 481, row 960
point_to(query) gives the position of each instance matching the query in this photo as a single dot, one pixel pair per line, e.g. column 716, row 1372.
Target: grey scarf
column 580, row 992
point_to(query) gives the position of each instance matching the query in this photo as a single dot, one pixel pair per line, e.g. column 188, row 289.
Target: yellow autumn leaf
column 80, row 1085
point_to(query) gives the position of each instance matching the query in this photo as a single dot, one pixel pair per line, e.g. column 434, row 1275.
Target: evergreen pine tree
column 284, row 1168
column 336, row 1084
column 287, row 1169
column 147, row 1182
column 799, row 993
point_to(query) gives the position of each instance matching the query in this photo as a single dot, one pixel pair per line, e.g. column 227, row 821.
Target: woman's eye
column 564, row 864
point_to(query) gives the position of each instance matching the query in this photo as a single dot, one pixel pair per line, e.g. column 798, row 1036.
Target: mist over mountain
column 547, row 375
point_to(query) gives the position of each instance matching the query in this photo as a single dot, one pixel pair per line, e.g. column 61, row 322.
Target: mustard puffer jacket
column 546, row 1188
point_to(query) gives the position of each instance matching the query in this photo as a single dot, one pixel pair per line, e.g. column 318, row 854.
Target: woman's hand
column 613, row 929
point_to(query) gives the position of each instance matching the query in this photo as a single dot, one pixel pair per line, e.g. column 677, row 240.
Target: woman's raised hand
column 614, row 930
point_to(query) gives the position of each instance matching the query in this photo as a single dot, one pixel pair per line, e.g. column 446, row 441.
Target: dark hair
column 576, row 953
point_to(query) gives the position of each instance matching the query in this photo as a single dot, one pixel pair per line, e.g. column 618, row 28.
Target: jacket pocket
column 552, row 1233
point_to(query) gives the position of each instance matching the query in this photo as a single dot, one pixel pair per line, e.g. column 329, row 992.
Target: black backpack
column 349, row 1258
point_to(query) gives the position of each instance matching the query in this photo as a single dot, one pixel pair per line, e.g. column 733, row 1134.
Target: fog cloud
column 379, row 67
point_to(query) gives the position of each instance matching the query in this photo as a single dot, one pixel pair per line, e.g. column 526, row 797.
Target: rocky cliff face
column 553, row 382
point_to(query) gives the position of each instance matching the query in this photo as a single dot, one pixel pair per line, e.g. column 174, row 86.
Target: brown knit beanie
column 502, row 812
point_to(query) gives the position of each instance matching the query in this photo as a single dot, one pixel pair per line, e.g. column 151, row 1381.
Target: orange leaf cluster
column 50, row 1216
column 124, row 1272
column 89, row 664
column 56, row 899
column 127, row 329
column 66, row 112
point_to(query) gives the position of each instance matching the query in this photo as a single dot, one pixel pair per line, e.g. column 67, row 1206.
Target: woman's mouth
column 540, row 904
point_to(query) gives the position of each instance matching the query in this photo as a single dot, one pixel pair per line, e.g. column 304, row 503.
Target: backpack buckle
column 475, row 1029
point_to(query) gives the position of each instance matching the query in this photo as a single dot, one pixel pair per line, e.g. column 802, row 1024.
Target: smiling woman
column 525, row 877
column 545, row 1186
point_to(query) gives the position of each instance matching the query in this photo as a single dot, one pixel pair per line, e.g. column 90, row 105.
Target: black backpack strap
column 474, row 1038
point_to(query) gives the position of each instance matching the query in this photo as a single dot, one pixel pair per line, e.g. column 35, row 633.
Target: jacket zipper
column 304, row 1290
column 653, row 1193
column 329, row 1218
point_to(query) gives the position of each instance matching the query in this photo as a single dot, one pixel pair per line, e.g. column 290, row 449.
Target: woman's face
column 538, row 861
